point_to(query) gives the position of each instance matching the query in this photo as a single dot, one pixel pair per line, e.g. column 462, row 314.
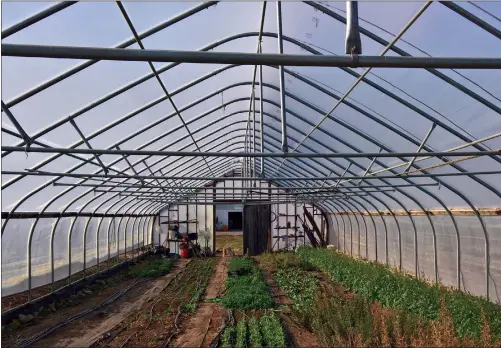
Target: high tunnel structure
column 381, row 121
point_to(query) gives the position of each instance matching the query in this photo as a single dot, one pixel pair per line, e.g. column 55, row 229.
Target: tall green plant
column 272, row 330
column 377, row 282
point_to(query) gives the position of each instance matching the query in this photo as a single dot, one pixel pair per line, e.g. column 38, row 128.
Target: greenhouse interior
column 251, row 174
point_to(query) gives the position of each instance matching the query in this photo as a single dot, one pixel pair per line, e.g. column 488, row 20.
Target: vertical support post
column 295, row 224
column 283, row 116
column 196, row 220
column 278, row 223
column 286, row 224
column 125, row 241
column 176, row 243
column 69, row 252
column 254, row 135
column 261, row 125
column 214, row 207
column 153, row 226
column 168, row 229
column 353, row 44
column 85, row 247
column 205, row 219
column 108, row 241
column 187, row 219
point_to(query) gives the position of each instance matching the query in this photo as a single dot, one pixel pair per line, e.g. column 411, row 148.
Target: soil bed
column 204, row 326
column 161, row 318
column 86, row 330
column 298, row 335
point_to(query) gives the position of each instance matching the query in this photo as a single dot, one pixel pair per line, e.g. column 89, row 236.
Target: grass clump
column 240, row 266
column 272, row 330
column 248, row 291
column 377, row 283
column 228, row 337
column 272, row 262
column 255, row 337
column 153, row 268
column 241, row 341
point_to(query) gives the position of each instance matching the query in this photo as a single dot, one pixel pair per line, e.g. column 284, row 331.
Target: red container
column 185, row 253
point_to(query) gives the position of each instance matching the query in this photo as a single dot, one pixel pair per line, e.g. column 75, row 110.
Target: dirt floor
column 161, row 312
column 236, row 243
column 85, row 331
column 205, row 325
column 159, row 319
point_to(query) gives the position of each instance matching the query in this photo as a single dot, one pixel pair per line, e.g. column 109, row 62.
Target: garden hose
column 29, row 341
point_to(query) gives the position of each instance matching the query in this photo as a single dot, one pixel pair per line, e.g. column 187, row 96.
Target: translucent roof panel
column 99, row 127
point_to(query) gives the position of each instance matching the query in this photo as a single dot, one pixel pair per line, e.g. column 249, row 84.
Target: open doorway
column 229, row 226
column 235, row 220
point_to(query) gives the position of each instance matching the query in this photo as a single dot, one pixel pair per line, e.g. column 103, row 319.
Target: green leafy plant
column 272, row 262
column 248, row 291
column 228, row 337
column 151, row 269
column 255, row 337
column 299, row 286
column 241, row 341
column 240, row 266
column 378, row 283
column 272, row 330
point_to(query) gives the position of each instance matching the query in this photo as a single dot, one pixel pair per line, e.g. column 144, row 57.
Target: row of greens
column 203, row 274
column 377, row 283
column 246, row 286
column 265, row 331
column 338, row 319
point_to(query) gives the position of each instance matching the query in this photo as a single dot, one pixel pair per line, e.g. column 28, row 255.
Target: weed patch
column 272, row 262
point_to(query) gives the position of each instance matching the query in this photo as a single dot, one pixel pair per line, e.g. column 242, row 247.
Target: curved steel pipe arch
column 351, row 72
column 483, row 227
column 354, row 207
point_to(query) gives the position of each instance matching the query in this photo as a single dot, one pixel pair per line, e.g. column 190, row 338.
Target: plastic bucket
column 185, row 253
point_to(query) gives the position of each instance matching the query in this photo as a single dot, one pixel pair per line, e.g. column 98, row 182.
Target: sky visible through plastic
column 438, row 32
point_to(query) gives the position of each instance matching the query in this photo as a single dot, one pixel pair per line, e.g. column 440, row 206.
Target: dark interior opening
column 235, row 220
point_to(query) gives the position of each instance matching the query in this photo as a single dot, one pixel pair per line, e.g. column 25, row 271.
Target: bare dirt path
column 299, row 336
column 42, row 323
column 87, row 330
column 204, row 326
column 156, row 323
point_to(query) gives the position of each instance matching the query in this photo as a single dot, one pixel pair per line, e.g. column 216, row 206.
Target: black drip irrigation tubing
column 29, row 341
